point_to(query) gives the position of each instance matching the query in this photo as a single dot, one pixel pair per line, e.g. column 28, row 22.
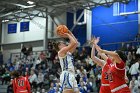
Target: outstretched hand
column 95, row 40
column 64, row 35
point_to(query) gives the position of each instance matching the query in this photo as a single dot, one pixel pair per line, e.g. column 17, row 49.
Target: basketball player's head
column 122, row 55
column 59, row 45
column 16, row 74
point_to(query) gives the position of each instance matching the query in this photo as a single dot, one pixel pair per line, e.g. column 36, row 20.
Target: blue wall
column 115, row 28
column 79, row 31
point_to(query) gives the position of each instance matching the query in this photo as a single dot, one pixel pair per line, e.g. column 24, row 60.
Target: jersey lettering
column 106, row 76
column 110, row 77
column 20, row 83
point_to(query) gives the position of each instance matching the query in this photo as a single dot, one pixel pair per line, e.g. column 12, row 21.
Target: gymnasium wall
column 36, row 30
column 80, row 30
column 139, row 14
column 11, row 43
column 112, row 28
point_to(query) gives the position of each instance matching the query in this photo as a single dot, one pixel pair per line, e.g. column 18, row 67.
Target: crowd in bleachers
column 43, row 69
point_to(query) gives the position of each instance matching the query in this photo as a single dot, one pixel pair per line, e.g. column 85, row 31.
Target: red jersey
column 117, row 77
column 104, row 79
column 21, row 85
column 105, row 87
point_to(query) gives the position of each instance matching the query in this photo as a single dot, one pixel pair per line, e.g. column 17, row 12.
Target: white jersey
column 67, row 62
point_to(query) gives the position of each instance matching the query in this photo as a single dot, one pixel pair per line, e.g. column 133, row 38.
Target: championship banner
column 24, row 26
column 12, row 28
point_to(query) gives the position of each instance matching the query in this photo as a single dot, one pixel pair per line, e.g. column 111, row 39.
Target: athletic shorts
column 68, row 81
column 105, row 89
column 123, row 90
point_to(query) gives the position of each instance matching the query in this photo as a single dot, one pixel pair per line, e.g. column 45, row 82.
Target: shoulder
column 61, row 54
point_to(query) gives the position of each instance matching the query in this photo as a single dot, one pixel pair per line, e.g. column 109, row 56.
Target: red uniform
column 117, row 77
column 105, row 87
column 21, row 85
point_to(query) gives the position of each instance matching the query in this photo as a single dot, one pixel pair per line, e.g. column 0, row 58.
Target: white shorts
column 68, row 81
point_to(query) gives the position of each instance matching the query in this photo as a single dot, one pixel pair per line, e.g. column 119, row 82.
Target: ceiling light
column 5, row 20
column 30, row 2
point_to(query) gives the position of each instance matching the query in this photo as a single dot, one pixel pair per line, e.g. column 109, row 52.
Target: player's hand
column 70, row 32
column 96, row 40
column 98, row 48
column 62, row 35
column 65, row 35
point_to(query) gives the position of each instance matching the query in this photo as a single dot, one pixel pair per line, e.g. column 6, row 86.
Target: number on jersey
column 20, row 83
column 108, row 76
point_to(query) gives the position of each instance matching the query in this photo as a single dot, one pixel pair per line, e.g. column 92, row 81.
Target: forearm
column 103, row 56
column 111, row 53
column 72, row 40
column 93, row 52
column 96, row 60
column 73, row 37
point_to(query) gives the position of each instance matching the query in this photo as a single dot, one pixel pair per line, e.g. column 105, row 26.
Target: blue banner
column 24, row 26
column 12, row 28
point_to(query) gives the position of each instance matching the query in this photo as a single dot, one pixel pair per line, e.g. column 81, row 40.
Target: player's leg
column 76, row 89
column 66, row 82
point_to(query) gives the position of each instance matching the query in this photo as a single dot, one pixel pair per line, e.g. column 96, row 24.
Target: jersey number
column 20, row 83
column 108, row 76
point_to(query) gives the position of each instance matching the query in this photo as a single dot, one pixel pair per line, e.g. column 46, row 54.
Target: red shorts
column 105, row 89
column 123, row 90
column 22, row 91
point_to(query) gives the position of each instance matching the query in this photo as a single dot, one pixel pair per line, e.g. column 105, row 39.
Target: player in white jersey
column 67, row 77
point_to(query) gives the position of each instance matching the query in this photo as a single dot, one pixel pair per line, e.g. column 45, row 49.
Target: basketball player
column 20, row 83
column 67, row 77
column 105, row 87
column 116, row 72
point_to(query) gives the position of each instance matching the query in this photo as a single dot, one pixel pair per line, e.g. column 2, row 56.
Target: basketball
column 61, row 29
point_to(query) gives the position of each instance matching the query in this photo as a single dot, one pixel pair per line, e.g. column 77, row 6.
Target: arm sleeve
column 120, row 65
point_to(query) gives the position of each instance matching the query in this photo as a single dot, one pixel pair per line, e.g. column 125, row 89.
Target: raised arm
column 96, row 59
column 74, row 47
column 103, row 56
column 69, row 48
column 111, row 53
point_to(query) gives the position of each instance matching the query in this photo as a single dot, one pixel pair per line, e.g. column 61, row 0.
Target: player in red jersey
column 20, row 83
column 116, row 72
column 105, row 87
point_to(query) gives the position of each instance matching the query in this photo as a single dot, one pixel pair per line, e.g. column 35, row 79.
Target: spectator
column 134, row 85
column 139, row 82
column 55, row 67
column 51, row 90
column 87, row 68
column 129, row 57
column 134, row 70
column 40, row 79
column 33, row 79
column 83, row 88
column 29, row 50
column 11, row 67
column 83, row 72
column 89, row 60
column 42, row 56
column 6, row 76
column 76, row 54
column 24, row 50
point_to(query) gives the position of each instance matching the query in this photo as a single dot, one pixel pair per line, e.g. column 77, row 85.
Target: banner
column 24, row 26
column 12, row 28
